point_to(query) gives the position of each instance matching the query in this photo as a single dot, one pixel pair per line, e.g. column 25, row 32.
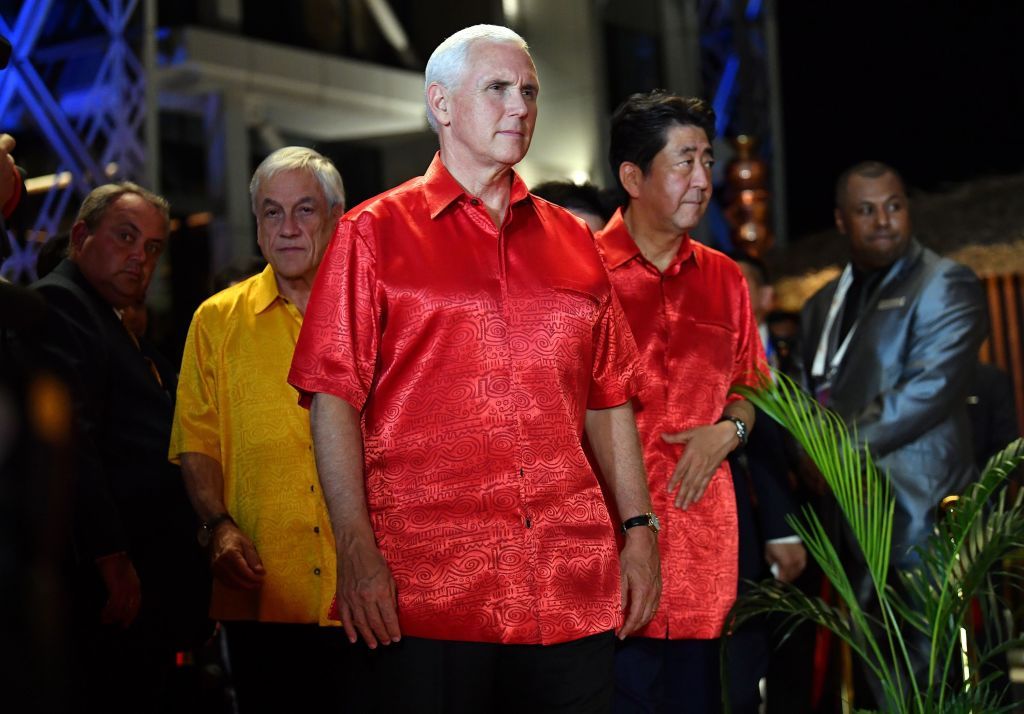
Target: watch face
column 655, row 523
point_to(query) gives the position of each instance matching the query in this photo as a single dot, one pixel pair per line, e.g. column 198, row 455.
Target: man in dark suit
column 768, row 545
column 890, row 346
column 140, row 583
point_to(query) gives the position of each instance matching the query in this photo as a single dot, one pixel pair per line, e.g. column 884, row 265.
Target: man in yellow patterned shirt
column 244, row 446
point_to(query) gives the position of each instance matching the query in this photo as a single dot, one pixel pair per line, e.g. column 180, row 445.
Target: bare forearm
column 338, row 443
column 367, row 600
column 204, row 482
column 616, row 446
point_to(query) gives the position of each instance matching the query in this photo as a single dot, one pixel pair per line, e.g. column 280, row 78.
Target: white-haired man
column 245, row 450
column 471, row 331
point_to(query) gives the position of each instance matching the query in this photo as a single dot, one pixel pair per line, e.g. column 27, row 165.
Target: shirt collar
column 620, row 248
column 441, row 189
column 264, row 290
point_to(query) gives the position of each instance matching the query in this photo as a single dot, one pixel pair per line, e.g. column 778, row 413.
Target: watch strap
column 741, row 428
column 645, row 519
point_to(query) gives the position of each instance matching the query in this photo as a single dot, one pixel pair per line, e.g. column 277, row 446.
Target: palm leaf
column 864, row 496
column 958, row 566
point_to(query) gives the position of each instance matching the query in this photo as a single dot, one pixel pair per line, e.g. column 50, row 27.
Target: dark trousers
column 667, row 676
column 119, row 672
column 421, row 676
column 747, row 657
column 280, row 667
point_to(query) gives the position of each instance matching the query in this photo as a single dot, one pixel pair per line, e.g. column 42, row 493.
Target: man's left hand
column 706, row 448
column 641, row 579
column 788, row 559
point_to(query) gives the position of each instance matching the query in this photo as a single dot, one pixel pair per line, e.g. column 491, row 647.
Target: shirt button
column 475, row 201
column 312, row 488
column 528, row 523
column 316, row 529
column 316, row 571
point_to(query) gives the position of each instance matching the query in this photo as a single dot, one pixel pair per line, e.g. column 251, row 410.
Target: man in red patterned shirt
column 460, row 338
column 689, row 309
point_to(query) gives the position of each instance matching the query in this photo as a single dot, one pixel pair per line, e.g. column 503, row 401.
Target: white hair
column 299, row 157
column 448, row 62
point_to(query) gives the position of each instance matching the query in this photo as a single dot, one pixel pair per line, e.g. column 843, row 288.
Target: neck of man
column 658, row 246
column 491, row 183
column 295, row 290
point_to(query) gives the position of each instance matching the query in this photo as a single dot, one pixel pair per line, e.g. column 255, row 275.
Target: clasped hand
column 706, row 447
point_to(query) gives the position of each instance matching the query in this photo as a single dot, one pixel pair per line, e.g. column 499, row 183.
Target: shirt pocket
column 576, row 303
column 707, row 349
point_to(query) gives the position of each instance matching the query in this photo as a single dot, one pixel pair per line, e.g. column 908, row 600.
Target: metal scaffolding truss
column 739, row 66
column 75, row 77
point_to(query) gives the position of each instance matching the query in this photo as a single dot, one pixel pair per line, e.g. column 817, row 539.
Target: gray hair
column 99, row 199
column 299, row 157
column 448, row 62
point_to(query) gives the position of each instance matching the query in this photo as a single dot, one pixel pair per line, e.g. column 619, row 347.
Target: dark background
column 933, row 88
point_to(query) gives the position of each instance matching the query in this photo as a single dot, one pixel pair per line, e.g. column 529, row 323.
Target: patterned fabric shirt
column 235, row 406
column 473, row 353
column 698, row 338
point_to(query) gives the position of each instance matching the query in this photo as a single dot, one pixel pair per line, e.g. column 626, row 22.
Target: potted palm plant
column 960, row 574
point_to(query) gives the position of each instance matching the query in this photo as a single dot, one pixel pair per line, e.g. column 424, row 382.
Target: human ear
column 840, row 224
column 79, row 232
column 437, row 101
column 630, row 175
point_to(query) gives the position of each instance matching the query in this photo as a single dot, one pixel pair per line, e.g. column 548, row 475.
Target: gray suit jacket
column 904, row 382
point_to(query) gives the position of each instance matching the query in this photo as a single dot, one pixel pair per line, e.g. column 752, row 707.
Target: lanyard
column 820, row 356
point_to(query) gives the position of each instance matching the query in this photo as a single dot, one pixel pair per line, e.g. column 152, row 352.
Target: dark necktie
column 149, row 362
column 861, row 289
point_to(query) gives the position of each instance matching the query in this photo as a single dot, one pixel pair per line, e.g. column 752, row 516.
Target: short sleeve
column 196, row 426
column 616, row 373
column 336, row 352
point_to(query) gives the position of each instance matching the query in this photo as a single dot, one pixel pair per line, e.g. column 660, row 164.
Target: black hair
column 757, row 264
column 867, row 169
column 640, row 126
column 568, row 195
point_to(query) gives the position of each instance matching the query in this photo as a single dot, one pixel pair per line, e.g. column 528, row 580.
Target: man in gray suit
column 890, row 346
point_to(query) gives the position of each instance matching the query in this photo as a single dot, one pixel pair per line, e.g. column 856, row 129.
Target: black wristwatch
column 741, row 428
column 648, row 519
column 206, row 530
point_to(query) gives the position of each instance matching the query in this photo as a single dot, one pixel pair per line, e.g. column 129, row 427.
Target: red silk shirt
column 473, row 354
column 697, row 338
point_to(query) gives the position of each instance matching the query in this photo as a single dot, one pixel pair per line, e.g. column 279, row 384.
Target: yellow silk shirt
column 235, row 405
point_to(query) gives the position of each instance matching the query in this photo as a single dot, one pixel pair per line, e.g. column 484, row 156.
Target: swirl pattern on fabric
column 473, row 353
column 697, row 337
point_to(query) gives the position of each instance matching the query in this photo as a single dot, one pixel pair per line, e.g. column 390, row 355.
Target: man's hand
column 234, row 560
column 367, row 594
column 705, row 450
column 641, row 579
column 788, row 560
column 8, row 177
column 124, row 592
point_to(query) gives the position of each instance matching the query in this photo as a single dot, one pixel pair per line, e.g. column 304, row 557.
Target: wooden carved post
column 747, row 199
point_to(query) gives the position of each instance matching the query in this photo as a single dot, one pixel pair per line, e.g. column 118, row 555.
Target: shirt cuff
column 786, row 540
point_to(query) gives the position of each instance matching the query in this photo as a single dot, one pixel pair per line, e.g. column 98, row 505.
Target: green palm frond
column 795, row 606
column 960, row 566
column 864, row 495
